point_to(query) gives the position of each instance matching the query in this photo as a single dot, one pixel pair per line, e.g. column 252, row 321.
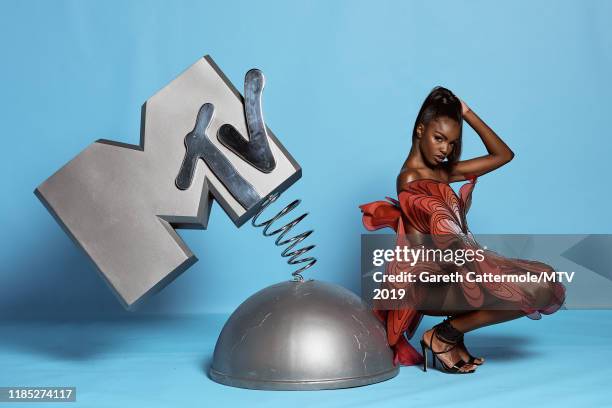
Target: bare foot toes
column 466, row 356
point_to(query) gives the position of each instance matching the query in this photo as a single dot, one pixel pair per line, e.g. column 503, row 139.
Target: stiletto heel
column 424, row 352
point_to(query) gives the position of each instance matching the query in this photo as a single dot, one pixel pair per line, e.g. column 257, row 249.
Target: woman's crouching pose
column 429, row 213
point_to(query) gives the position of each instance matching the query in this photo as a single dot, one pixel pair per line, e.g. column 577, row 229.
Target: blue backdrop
column 344, row 82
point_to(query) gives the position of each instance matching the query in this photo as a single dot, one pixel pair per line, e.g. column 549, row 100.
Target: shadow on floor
column 53, row 285
column 78, row 339
column 500, row 347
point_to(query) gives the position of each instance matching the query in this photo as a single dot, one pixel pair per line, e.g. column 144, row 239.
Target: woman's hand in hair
column 498, row 152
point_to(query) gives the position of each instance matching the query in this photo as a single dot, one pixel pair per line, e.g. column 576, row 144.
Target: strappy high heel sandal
column 471, row 358
column 447, row 334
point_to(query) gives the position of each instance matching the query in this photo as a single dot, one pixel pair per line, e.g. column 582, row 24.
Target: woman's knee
column 542, row 294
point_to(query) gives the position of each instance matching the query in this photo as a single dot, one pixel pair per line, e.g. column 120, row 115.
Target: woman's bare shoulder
column 407, row 175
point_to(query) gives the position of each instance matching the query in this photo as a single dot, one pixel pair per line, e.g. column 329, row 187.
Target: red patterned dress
column 432, row 207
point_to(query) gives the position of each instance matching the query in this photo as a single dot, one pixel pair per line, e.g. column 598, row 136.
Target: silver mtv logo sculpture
column 121, row 202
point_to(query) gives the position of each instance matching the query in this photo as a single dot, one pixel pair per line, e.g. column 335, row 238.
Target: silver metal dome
column 302, row 336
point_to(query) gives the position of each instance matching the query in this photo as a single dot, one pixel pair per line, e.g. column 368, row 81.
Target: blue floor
column 563, row 360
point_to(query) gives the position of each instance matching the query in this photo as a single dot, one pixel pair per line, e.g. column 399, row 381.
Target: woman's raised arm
column 499, row 152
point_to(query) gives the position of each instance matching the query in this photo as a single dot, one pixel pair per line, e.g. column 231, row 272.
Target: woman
column 428, row 206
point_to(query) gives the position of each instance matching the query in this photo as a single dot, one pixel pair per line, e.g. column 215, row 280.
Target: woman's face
column 437, row 139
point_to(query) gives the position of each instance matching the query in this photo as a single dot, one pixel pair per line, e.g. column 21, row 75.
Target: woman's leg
column 447, row 300
column 497, row 311
column 493, row 311
column 467, row 320
column 476, row 319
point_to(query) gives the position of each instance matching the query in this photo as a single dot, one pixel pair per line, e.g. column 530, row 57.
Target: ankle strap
column 446, row 333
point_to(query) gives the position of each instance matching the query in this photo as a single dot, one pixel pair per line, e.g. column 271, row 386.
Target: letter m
column 120, row 203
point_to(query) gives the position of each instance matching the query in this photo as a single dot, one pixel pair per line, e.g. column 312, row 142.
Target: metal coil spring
column 294, row 256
